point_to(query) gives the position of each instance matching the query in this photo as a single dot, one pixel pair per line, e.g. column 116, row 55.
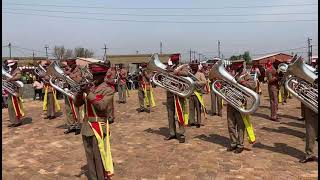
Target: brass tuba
column 11, row 87
column 240, row 97
column 302, row 83
column 59, row 78
column 181, row 86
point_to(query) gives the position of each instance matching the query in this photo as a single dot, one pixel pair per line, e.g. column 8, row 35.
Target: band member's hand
column 170, row 68
column 86, row 88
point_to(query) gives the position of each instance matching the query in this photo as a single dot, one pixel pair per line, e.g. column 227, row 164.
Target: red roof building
column 282, row 57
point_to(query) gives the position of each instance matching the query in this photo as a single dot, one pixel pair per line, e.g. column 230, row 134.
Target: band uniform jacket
column 75, row 74
column 144, row 79
column 110, row 77
column 16, row 76
column 272, row 77
column 202, row 81
column 246, row 80
column 122, row 76
column 99, row 98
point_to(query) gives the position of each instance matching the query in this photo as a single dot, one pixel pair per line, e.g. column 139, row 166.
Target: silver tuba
column 11, row 87
column 59, row 78
column 240, row 97
column 302, row 83
column 181, row 86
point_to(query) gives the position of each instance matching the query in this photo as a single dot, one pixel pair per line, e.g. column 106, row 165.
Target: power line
column 173, row 8
column 157, row 21
column 183, row 15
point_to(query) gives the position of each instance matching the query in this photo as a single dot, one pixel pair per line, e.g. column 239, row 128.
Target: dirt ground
column 39, row 149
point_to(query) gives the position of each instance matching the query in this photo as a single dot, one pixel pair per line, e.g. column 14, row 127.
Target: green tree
column 246, row 56
column 83, row 52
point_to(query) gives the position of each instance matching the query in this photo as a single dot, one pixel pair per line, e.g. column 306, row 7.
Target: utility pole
column 9, row 45
column 309, row 51
column 160, row 47
column 105, row 52
column 194, row 55
column 219, row 49
column 46, row 47
column 33, row 55
column 199, row 57
column 190, row 55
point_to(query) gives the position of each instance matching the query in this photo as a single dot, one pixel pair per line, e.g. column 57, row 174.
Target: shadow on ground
column 285, row 130
column 214, row 138
column 164, row 131
column 26, row 120
column 281, row 148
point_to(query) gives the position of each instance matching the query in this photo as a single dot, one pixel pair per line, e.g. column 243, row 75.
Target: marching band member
column 72, row 111
column 236, row 121
column 15, row 107
column 145, row 92
column 216, row 102
column 175, row 104
column 122, row 83
column 50, row 102
column 196, row 99
column 97, row 99
column 273, row 89
column 110, row 80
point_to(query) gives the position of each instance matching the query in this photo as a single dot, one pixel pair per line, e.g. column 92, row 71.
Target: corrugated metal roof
column 269, row 55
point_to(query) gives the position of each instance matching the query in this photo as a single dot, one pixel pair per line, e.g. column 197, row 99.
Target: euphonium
column 240, row 97
column 58, row 75
column 11, row 87
column 41, row 72
column 303, row 83
column 181, row 86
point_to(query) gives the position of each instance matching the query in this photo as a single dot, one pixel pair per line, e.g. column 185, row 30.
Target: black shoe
column 16, row 125
column 10, row 125
column 198, row 125
column 170, row 137
column 147, row 111
column 192, row 124
column 111, row 120
column 238, row 150
column 140, row 110
column 47, row 117
column 182, row 139
column 69, row 130
column 77, row 131
column 213, row 114
column 230, row 148
column 308, row 159
column 52, row 117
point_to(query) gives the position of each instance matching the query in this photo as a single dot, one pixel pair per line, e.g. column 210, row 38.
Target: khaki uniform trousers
column 95, row 165
column 122, row 91
column 236, row 127
column 141, row 98
column 194, row 108
column 273, row 95
column 216, row 104
column 311, row 122
column 12, row 114
column 50, row 105
column 171, row 116
column 70, row 119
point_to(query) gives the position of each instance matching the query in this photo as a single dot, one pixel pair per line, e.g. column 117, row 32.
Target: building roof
column 135, row 59
column 269, row 55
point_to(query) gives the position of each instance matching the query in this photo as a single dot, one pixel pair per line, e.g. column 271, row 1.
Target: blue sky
column 34, row 31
